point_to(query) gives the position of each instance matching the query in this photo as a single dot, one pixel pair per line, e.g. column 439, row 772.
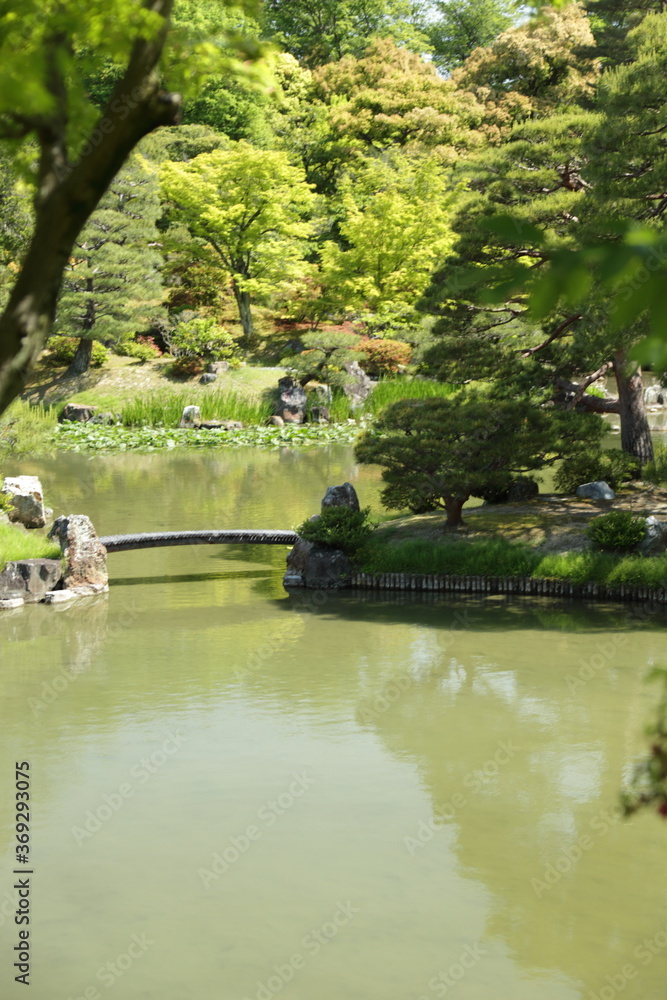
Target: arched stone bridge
column 155, row 539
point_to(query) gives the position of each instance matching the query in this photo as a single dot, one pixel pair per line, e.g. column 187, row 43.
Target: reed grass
column 165, row 408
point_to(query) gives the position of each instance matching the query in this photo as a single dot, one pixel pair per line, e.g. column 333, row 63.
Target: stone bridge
column 155, row 539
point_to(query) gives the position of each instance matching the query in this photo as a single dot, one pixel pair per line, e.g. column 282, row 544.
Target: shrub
column 339, row 528
column 143, row 350
column 383, row 357
column 188, row 367
column 62, row 351
column 619, row 531
column 612, row 466
column 204, row 338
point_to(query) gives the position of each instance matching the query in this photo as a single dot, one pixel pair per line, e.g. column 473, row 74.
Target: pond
column 241, row 794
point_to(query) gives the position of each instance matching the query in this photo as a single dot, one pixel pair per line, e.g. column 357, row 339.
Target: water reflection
column 459, row 761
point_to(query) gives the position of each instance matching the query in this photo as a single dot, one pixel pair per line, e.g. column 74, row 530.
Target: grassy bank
column 500, row 557
column 16, row 543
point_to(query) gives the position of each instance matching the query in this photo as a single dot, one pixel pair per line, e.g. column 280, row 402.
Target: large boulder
column 216, row 367
column 292, row 400
column 317, row 567
column 85, row 556
column 359, row 387
column 654, row 542
column 30, row 579
column 80, row 412
column 27, row 500
column 595, row 491
column 341, row 496
column 208, row 377
column 191, row 417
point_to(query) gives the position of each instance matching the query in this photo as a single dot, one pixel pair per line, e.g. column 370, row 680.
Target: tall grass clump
column 26, row 428
column 164, row 409
column 18, row 544
column 604, row 567
column 390, row 390
column 495, row 557
column 656, row 471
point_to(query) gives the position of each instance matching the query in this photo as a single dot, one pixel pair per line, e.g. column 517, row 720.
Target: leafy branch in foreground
column 648, row 786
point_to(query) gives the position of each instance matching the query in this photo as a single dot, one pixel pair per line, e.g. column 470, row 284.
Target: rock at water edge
column 317, row 567
column 86, row 557
column 30, row 579
column 341, row 496
column 27, row 498
column 191, row 417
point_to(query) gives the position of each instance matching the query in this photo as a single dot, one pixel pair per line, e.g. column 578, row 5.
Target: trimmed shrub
column 62, row 351
column 612, row 466
column 188, row 367
column 204, row 338
column 383, row 357
column 339, row 528
column 139, row 349
column 619, row 531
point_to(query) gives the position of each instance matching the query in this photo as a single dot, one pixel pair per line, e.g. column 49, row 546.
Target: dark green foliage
column 112, row 281
column 339, row 528
column 648, row 786
column 437, row 453
column 612, row 466
column 618, row 531
column 320, row 31
column 61, row 351
column 327, row 352
column 465, row 25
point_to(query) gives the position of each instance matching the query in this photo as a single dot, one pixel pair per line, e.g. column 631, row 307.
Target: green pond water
column 240, row 794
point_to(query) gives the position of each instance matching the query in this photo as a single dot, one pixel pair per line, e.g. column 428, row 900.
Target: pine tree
column 112, row 282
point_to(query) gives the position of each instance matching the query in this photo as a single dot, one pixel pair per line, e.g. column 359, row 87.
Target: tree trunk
column 454, row 507
column 81, row 361
column 635, row 433
column 68, row 194
column 245, row 314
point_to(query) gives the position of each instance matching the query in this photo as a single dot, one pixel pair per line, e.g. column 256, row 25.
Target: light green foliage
column 246, row 210
column 394, row 223
column 495, row 557
column 113, row 277
column 164, row 409
column 204, row 338
column 339, row 528
column 618, row 531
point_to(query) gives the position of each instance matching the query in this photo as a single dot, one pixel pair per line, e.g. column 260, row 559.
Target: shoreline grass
column 18, row 544
column 502, row 558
